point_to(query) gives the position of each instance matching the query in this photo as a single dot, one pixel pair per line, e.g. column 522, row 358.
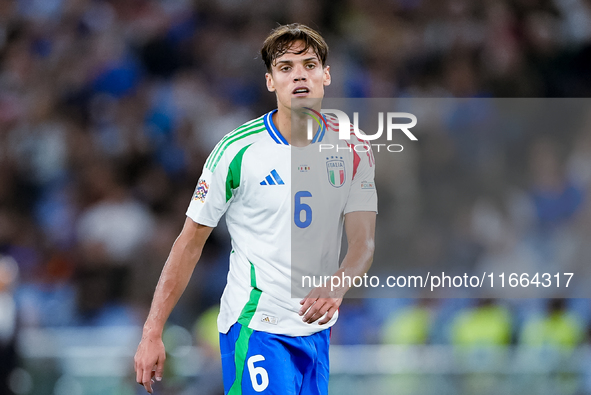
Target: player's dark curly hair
column 282, row 38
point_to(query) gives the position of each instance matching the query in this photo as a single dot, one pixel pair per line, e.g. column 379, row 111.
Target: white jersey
column 248, row 176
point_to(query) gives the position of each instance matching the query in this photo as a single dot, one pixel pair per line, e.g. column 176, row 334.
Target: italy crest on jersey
column 335, row 166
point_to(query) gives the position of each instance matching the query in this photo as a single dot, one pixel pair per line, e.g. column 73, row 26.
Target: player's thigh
column 228, row 343
column 269, row 366
column 316, row 374
column 260, row 364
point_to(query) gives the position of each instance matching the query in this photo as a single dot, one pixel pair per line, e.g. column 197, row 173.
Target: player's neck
column 292, row 129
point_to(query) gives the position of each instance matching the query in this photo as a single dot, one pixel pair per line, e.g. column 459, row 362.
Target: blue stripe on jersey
column 323, row 129
column 270, row 180
column 269, row 130
column 276, row 177
column 316, row 135
column 273, row 132
column 319, row 133
column 263, row 182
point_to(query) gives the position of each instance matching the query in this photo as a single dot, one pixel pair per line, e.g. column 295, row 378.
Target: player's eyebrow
column 291, row 61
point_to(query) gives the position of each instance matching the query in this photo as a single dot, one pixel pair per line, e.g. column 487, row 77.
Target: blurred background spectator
column 8, row 321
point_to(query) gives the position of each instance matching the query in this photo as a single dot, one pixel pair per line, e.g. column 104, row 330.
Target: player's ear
column 326, row 78
column 270, row 82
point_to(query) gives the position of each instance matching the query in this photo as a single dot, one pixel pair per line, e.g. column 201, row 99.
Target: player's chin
column 304, row 101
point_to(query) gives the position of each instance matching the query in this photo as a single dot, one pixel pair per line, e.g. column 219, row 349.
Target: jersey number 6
column 299, row 207
column 257, row 371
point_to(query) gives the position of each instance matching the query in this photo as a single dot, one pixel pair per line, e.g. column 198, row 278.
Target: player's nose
column 300, row 74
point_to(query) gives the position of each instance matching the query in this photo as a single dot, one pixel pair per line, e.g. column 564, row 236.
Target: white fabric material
column 260, row 221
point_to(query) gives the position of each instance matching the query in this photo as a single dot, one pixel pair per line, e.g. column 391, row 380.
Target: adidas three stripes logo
column 272, row 179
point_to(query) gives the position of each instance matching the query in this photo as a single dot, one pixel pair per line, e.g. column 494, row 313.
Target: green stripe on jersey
column 241, row 347
column 251, row 306
column 244, row 134
column 253, row 276
column 234, row 171
column 226, row 138
column 243, row 131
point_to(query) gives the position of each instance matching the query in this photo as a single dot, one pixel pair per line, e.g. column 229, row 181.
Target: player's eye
column 310, row 65
column 285, row 68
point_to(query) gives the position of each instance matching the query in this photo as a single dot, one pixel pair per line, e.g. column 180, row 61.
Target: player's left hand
column 320, row 303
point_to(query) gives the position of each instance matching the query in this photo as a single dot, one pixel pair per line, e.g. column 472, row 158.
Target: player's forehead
column 296, row 52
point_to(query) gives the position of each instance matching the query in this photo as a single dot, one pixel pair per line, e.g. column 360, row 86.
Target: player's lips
column 301, row 91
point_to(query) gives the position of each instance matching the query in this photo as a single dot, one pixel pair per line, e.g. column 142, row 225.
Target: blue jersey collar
column 278, row 137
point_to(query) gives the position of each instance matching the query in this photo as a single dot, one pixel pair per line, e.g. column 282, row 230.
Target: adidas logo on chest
column 273, row 178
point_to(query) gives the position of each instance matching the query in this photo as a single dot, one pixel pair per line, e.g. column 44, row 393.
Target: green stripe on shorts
column 240, row 351
column 241, row 347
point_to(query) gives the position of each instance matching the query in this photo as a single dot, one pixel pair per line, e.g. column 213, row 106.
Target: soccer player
column 272, row 343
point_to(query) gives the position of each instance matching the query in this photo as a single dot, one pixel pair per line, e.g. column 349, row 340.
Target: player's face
column 297, row 75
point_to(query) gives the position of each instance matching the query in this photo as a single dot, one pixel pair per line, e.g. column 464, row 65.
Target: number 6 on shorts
column 257, row 371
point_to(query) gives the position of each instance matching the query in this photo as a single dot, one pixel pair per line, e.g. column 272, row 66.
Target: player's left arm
column 322, row 302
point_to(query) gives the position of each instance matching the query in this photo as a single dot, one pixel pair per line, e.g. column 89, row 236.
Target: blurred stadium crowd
column 108, row 110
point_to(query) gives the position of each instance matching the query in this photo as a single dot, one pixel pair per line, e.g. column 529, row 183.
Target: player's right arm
column 216, row 188
column 184, row 254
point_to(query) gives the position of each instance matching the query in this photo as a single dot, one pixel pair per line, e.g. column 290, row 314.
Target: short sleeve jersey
column 248, row 176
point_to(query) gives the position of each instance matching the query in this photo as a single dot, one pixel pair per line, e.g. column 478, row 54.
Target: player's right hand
column 149, row 361
column 319, row 303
